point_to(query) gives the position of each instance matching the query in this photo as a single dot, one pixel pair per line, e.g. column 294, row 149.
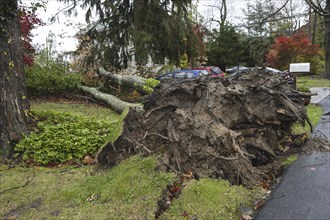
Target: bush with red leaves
column 289, row 49
column 28, row 21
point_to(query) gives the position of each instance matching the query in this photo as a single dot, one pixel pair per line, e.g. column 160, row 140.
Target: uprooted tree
column 212, row 127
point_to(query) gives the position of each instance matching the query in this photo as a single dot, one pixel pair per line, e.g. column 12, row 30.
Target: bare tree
column 323, row 8
column 274, row 13
column 265, row 17
column 223, row 12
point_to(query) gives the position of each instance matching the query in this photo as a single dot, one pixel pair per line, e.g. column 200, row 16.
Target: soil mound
column 222, row 128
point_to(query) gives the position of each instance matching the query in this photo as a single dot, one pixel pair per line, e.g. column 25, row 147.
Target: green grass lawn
column 90, row 110
column 211, row 199
column 314, row 111
column 314, row 114
column 310, row 81
column 128, row 191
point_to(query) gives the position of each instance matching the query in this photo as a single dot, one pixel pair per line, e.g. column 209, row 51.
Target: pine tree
column 155, row 28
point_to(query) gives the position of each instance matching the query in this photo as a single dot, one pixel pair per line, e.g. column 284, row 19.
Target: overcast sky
column 69, row 26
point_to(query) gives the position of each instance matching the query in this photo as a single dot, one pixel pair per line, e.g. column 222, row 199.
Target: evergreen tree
column 155, row 28
column 224, row 48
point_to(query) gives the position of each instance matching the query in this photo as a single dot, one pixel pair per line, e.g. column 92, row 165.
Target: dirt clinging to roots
column 221, row 128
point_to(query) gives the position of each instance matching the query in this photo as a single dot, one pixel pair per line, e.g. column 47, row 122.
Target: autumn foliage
column 290, row 49
column 28, row 21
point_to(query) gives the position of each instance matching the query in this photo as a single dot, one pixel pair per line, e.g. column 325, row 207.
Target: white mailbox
column 300, row 67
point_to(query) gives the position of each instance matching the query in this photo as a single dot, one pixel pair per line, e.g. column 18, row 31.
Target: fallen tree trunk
column 135, row 82
column 115, row 104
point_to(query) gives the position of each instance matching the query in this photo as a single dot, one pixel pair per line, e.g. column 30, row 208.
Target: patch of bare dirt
column 235, row 128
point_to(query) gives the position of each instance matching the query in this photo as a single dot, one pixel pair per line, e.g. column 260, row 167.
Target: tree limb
column 318, row 8
column 115, row 103
column 271, row 15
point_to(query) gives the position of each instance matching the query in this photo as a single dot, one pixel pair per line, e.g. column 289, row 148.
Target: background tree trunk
column 325, row 12
column 14, row 104
column 327, row 40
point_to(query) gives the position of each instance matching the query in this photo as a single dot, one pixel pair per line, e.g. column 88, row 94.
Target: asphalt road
column 304, row 189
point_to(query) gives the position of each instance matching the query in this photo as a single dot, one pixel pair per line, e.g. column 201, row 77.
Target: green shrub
column 317, row 62
column 47, row 77
column 61, row 137
column 150, row 85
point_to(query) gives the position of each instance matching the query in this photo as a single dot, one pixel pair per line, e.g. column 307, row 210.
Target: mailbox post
column 299, row 69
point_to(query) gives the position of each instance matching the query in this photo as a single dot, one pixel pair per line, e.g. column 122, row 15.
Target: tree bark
column 327, row 40
column 325, row 12
column 14, row 105
column 116, row 104
column 130, row 81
